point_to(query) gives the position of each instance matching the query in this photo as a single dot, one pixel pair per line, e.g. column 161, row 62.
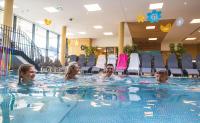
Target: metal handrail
column 19, row 40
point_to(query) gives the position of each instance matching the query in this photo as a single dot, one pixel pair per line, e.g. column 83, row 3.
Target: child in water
column 26, row 74
column 72, row 71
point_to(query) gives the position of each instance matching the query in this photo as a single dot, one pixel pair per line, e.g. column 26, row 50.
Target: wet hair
column 23, row 68
column 70, row 68
column 109, row 65
column 163, row 73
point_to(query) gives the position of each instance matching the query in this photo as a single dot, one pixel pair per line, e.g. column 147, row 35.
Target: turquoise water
column 125, row 100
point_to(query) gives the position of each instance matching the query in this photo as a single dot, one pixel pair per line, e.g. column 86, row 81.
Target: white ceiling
column 113, row 12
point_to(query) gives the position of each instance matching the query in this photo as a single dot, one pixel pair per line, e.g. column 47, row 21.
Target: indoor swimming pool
column 124, row 100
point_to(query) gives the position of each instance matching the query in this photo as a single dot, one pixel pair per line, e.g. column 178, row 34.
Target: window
column 40, row 39
column 53, row 46
column 1, row 17
column 25, row 26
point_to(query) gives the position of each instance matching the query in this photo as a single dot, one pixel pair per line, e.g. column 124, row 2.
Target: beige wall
column 110, row 41
column 74, row 45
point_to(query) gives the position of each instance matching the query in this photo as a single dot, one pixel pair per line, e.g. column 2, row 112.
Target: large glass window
column 25, row 26
column 1, row 17
column 53, row 43
column 40, row 39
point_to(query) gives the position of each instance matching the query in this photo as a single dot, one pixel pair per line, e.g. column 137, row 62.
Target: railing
column 18, row 40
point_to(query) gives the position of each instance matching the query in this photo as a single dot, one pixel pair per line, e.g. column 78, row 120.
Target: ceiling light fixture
column 154, row 6
column 98, row 27
column 153, row 39
column 190, row 39
column 195, row 21
column 150, row 27
column 108, row 33
column 92, row 7
column 51, row 9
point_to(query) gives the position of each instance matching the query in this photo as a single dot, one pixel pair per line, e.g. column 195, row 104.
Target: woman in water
column 26, row 74
column 72, row 71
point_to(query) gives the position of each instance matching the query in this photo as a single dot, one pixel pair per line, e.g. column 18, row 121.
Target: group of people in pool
column 27, row 73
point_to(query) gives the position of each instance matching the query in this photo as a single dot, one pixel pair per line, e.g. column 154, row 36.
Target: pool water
column 126, row 100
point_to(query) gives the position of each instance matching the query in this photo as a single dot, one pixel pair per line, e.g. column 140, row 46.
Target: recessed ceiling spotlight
column 150, row 27
column 195, row 21
column 190, row 39
column 98, row 27
column 185, row 3
column 92, row 7
column 51, row 9
column 108, row 33
column 82, row 33
column 153, row 39
column 155, row 6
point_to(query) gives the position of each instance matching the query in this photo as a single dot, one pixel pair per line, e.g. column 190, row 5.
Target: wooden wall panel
column 74, row 45
column 191, row 49
column 149, row 46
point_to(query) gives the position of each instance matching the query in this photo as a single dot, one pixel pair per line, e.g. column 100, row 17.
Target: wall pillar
column 63, row 45
column 90, row 43
column 121, row 38
column 8, row 12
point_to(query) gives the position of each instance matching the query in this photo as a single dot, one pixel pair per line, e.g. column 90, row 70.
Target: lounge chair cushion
column 160, row 69
column 146, row 70
column 176, row 71
column 192, row 71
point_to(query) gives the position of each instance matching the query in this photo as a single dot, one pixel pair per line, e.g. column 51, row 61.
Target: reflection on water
column 52, row 100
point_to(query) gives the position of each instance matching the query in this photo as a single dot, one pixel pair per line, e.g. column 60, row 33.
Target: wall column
column 121, row 38
column 90, row 43
column 8, row 12
column 63, row 45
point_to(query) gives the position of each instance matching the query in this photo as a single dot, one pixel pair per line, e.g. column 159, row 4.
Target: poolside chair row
column 150, row 64
column 140, row 64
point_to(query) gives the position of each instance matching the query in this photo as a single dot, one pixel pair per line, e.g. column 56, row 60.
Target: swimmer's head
column 109, row 69
column 161, row 76
column 72, row 70
column 26, row 73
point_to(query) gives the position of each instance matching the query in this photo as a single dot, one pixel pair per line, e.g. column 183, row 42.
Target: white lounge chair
column 112, row 59
column 134, row 64
column 101, row 61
